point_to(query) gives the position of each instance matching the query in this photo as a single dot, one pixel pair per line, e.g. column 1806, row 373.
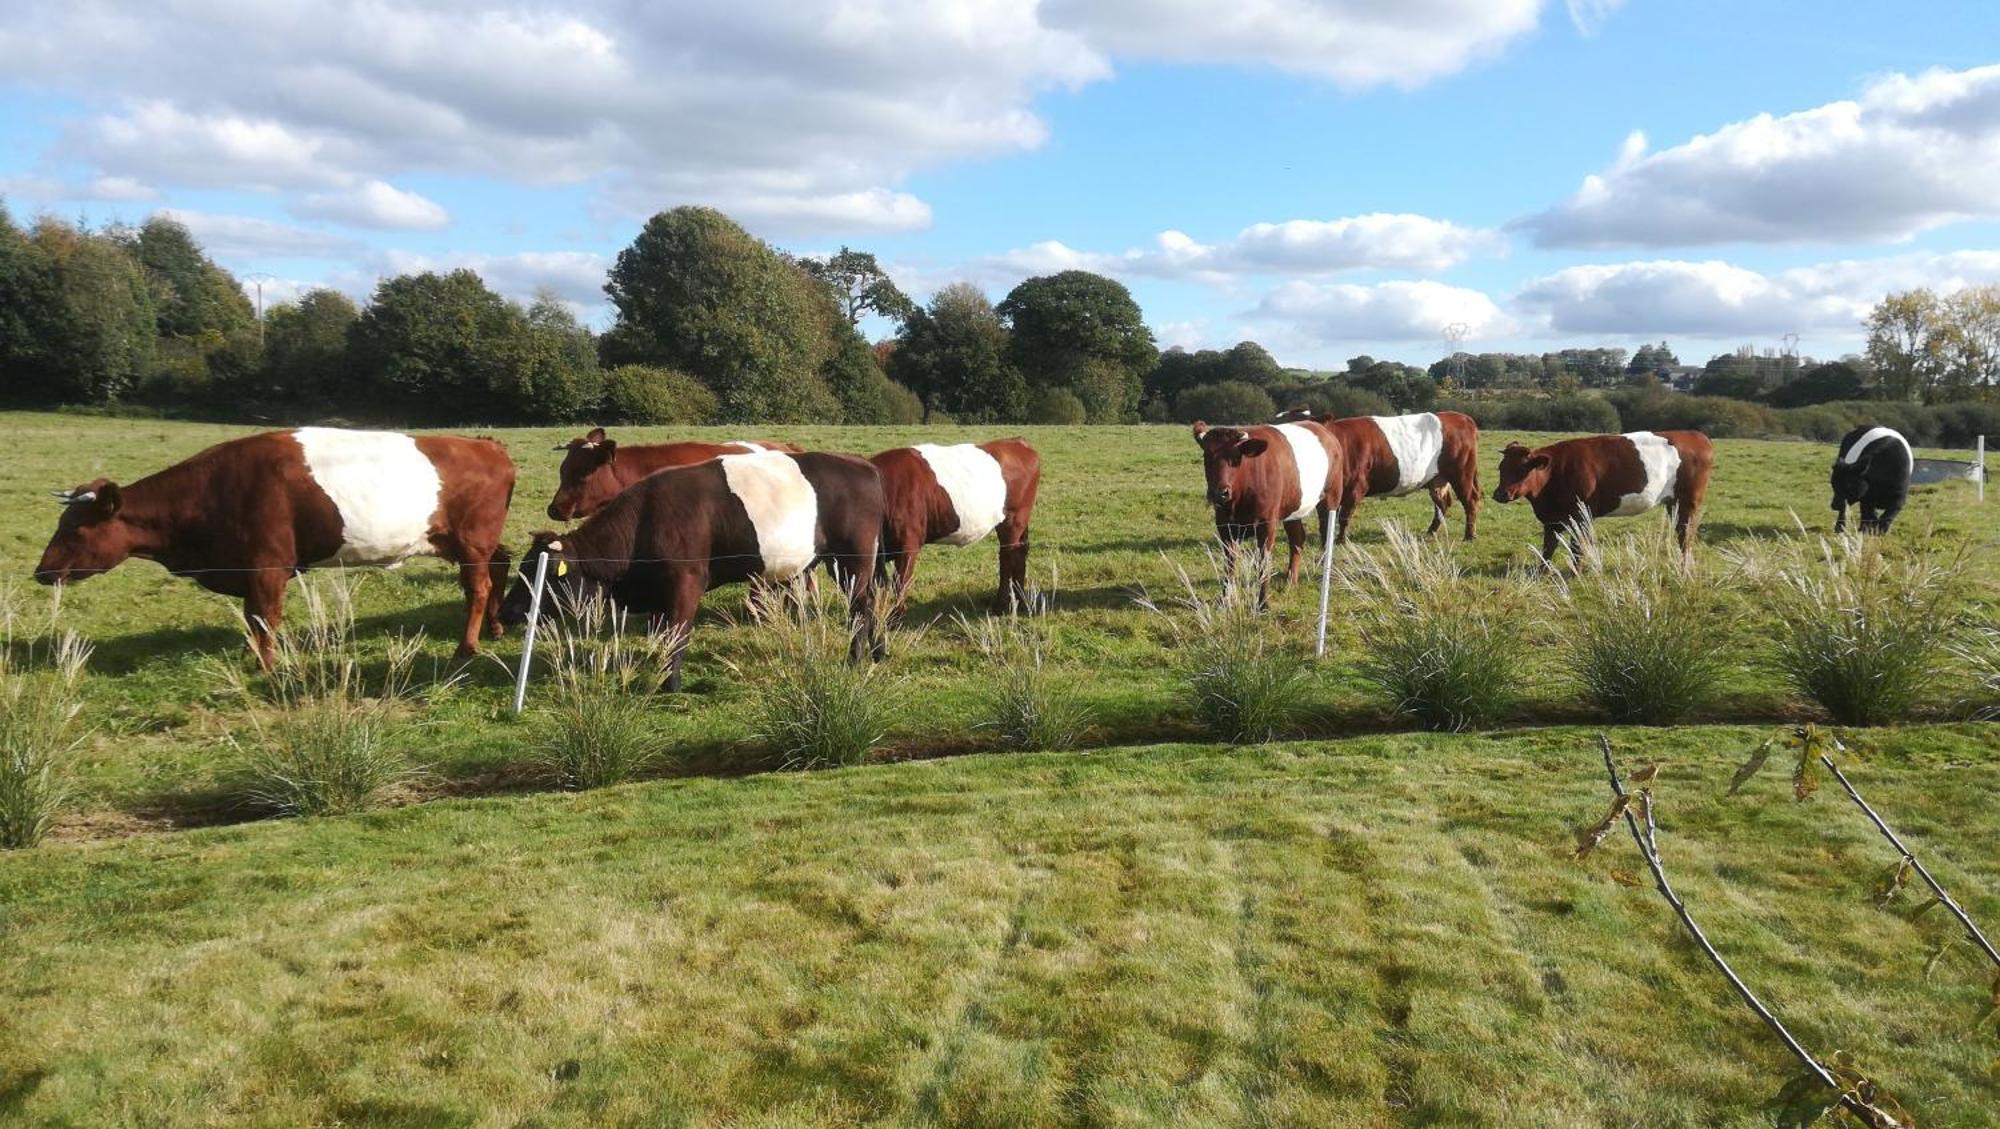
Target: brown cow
column 684, row 530
column 957, row 495
column 1576, row 481
column 242, row 517
column 1390, row 456
column 596, row 468
column 1260, row 478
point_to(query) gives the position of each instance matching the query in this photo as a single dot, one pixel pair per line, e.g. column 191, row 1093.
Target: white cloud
column 1319, row 314
column 1354, row 43
column 1913, row 153
column 1292, row 249
column 374, row 204
column 227, row 237
column 796, row 115
column 1589, row 15
column 1721, row 300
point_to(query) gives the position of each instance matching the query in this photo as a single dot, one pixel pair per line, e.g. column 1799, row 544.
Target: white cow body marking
column 1853, row 454
column 1309, row 455
column 783, row 509
column 1417, row 441
column 972, row 479
column 381, row 485
column 1661, row 461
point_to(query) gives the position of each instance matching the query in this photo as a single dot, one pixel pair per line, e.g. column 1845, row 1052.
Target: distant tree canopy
column 1083, row 332
column 1933, row 348
column 953, row 354
column 860, row 285
column 1178, row 370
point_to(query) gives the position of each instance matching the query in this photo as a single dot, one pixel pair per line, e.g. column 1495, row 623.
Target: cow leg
column 1870, row 522
column 264, row 611
column 1267, row 545
column 1349, row 499
column 1466, row 485
column 1887, row 514
column 1840, row 517
column 1013, row 594
column 685, row 588
column 1295, row 536
column 476, row 579
column 904, row 557
column 1440, row 502
column 1551, row 534
column 496, row 579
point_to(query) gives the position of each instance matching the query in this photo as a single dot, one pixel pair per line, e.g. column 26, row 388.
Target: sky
column 1326, row 177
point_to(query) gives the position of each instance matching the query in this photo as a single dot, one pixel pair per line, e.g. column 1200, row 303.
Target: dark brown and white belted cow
column 1264, row 477
column 1390, row 456
column 682, row 531
column 958, row 495
column 596, row 468
column 243, row 517
column 1573, row 482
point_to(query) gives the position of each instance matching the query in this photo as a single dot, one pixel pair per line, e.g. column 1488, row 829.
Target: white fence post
column 1982, row 467
column 1325, row 580
column 528, row 639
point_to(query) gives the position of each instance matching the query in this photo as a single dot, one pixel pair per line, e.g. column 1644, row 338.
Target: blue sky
column 1329, row 177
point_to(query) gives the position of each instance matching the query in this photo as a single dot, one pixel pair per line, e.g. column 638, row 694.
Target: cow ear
column 1200, row 430
column 109, row 500
column 1537, row 461
column 607, row 449
column 596, row 435
column 1250, row 448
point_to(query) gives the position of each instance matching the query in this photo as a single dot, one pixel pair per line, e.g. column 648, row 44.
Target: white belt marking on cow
column 1853, row 454
column 783, row 509
column 1661, row 461
column 972, row 479
column 382, row 486
column 1309, row 454
column 1417, row 441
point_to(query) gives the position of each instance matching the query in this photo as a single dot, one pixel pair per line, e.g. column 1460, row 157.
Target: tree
column 433, row 347
column 89, row 318
column 305, row 348
column 860, row 285
column 1084, row 332
column 1408, row 387
column 698, row 293
column 953, row 355
column 548, row 370
column 1906, row 343
column 1821, row 384
column 1970, row 342
column 1652, row 358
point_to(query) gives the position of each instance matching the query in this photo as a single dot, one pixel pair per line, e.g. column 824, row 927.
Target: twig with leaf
column 1853, row 1092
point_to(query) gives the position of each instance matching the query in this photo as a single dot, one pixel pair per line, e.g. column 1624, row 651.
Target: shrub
column 321, row 739
column 40, row 730
column 1584, row 413
column 1050, row 405
column 1228, row 401
column 599, row 728
column 642, row 394
column 1860, row 632
column 1245, row 681
column 1026, row 705
column 1647, row 645
column 1439, row 648
column 811, row 706
column 1340, row 401
column 1981, row 655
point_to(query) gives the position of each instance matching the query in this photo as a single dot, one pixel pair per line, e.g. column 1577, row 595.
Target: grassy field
column 1353, row 927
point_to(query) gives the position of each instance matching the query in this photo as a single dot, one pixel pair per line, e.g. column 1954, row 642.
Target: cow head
column 1850, row 480
column 1224, row 451
column 1523, row 473
column 588, row 478
column 564, row 586
column 91, row 537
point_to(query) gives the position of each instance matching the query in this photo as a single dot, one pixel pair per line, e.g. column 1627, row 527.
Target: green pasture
column 1358, row 926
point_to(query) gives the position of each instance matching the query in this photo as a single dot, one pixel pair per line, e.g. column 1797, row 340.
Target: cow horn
column 63, row 496
column 86, row 496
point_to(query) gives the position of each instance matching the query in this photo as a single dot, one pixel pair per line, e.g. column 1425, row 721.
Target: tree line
column 712, row 325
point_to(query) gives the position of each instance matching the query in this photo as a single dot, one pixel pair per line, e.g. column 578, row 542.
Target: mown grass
column 1376, row 929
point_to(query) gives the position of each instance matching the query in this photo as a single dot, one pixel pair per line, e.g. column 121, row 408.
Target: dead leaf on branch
column 1644, row 774
column 1805, row 778
column 1588, row 838
column 1751, row 767
column 1893, row 883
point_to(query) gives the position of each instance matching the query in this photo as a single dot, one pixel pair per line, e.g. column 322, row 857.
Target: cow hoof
column 466, row 651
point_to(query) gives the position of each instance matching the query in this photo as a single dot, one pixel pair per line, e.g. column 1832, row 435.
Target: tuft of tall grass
column 1246, row 681
column 1863, row 628
column 1646, row 643
column 324, row 735
column 1980, row 652
column 1434, row 644
column 1026, row 704
column 811, row 706
column 599, row 727
column 41, row 727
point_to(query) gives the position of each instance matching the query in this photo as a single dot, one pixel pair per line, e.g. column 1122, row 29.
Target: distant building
column 1680, row 378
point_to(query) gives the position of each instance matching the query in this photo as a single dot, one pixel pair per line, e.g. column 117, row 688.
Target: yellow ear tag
column 562, row 568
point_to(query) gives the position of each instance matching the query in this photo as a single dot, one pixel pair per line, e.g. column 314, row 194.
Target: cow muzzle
column 1220, row 496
